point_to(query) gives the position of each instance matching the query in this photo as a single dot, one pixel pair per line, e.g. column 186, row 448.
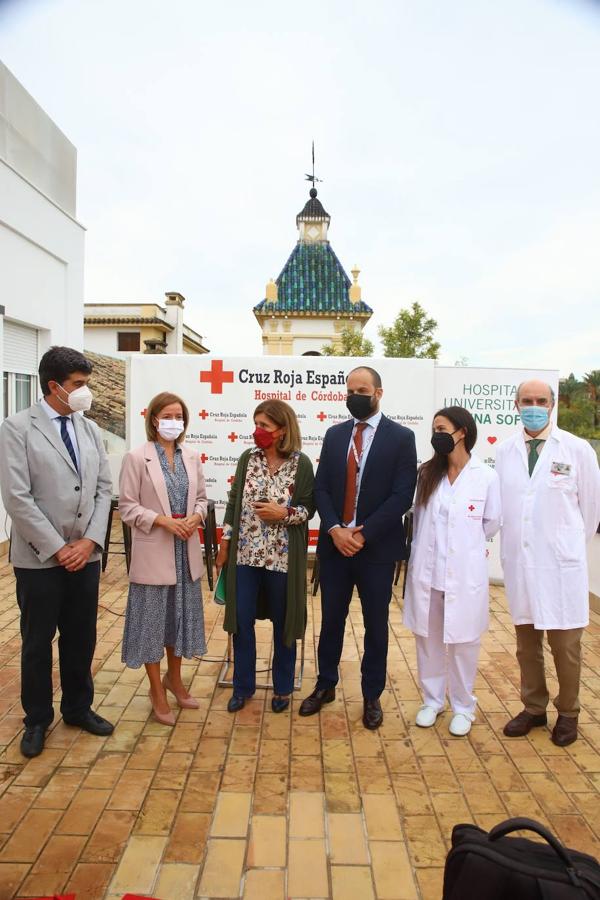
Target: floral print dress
column 159, row 616
column 265, row 544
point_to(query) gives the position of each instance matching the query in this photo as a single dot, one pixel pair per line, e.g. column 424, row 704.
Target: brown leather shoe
column 565, row 731
column 313, row 703
column 373, row 714
column 523, row 723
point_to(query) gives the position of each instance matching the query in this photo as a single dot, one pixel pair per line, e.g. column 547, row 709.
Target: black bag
column 482, row 866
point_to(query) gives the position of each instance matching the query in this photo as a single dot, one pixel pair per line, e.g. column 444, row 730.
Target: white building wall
column 319, row 327
column 33, row 145
column 149, row 307
column 306, row 334
column 314, row 334
column 41, row 243
column 104, row 340
column 41, row 262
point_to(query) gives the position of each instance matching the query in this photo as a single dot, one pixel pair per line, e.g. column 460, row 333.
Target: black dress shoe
column 372, row 714
column 92, row 722
column 235, row 703
column 313, row 703
column 32, row 742
column 565, row 731
column 278, row 704
column 523, row 723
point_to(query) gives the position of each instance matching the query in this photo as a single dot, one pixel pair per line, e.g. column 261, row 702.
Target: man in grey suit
column 56, row 487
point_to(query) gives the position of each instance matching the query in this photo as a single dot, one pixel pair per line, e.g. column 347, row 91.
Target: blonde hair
column 156, row 406
column 284, row 417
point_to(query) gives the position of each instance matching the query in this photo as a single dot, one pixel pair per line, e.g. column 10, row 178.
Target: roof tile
column 313, row 280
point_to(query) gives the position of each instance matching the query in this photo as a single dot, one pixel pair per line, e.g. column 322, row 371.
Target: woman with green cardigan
column 264, row 546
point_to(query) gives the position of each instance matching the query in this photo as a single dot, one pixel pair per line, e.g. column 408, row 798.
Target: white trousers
column 446, row 667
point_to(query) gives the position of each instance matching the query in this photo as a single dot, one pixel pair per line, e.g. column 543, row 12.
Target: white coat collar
column 474, row 462
column 517, row 442
column 544, row 435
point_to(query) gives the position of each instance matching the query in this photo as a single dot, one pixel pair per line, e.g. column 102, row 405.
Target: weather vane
column 313, row 177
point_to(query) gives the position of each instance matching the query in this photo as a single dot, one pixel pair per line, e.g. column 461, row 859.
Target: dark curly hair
column 58, row 363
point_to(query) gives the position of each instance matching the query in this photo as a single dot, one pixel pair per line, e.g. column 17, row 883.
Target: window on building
column 20, row 363
column 19, row 392
column 129, row 341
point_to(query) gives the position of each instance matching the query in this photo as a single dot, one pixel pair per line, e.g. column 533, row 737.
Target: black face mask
column 360, row 405
column 442, row 442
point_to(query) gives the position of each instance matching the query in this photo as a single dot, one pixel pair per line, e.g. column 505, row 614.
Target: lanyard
column 358, row 457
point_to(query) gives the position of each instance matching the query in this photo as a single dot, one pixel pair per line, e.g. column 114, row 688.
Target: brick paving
column 264, row 806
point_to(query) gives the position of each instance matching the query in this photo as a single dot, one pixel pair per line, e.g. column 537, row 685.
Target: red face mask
column 263, row 438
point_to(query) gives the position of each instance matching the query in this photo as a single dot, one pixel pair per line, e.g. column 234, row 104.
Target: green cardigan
column 295, row 613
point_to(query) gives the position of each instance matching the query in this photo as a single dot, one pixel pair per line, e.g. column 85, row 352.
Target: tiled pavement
column 265, row 806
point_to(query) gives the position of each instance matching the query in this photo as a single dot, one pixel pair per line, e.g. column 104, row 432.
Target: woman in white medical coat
column 457, row 509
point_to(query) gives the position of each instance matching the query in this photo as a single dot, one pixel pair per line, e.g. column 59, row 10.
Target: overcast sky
column 459, row 143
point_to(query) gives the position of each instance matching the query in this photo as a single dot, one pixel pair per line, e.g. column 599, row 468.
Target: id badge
column 560, row 468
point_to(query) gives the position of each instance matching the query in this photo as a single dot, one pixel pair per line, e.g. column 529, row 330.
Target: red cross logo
column 232, row 437
column 143, row 412
column 203, row 458
column 471, row 508
column 216, row 377
column 231, row 479
column 322, row 416
column 203, row 414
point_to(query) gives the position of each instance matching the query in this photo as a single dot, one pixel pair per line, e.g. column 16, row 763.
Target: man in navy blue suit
column 364, row 485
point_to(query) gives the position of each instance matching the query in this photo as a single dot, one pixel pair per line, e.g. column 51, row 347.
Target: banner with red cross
column 223, row 392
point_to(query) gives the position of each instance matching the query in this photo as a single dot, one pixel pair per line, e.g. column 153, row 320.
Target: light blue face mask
column 534, row 418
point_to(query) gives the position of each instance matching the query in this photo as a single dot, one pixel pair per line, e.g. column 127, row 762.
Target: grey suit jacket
column 48, row 501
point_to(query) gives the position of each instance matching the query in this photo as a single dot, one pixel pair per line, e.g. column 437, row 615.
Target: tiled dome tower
column 313, row 298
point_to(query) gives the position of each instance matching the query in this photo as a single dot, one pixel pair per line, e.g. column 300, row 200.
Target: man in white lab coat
column 550, row 484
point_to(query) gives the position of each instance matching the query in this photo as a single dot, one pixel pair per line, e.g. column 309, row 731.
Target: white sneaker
column 426, row 717
column 460, row 725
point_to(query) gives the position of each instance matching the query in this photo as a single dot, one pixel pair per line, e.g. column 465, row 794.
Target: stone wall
column 108, row 386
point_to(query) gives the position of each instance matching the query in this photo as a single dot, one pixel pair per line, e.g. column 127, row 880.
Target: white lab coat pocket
column 477, row 573
column 559, row 482
column 474, row 509
column 570, row 544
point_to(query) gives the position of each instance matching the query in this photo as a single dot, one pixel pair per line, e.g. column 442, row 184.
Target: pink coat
column 142, row 497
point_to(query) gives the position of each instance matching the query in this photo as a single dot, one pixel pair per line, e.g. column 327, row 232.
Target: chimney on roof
column 174, row 317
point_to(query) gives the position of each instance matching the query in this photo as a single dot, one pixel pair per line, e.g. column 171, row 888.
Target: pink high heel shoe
column 182, row 702
column 163, row 718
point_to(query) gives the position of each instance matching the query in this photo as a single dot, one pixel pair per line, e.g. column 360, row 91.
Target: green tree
column 579, row 405
column 578, row 418
column 591, row 381
column 352, row 343
column 411, row 335
column 568, row 389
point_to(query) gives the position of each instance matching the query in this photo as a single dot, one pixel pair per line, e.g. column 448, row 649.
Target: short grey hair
column 549, row 386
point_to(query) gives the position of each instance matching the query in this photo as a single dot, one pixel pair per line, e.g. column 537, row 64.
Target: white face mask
column 79, row 400
column 170, row 429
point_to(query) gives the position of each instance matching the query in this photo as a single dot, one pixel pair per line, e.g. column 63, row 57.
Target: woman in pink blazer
column 162, row 497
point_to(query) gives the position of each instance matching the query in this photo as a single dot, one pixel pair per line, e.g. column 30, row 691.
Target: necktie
column 67, row 440
column 352, row 472
column 533, row 454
